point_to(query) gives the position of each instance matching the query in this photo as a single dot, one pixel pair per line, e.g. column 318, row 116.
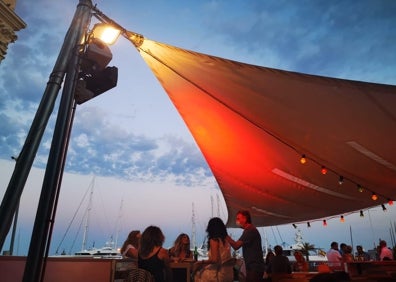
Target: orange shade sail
column 253, row 124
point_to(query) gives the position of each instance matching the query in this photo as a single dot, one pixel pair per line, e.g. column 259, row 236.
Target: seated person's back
column 279, row 263
column 154, row 265
column 152, row 256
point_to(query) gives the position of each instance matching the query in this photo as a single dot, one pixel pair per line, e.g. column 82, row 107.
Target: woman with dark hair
column 152, row 256
column 131, row 245
column 219, row 265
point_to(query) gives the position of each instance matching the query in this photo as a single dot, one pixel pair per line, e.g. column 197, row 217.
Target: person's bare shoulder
column 163, row 254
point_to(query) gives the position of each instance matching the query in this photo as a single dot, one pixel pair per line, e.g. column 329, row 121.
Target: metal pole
column 26, row 157
column 40, row 240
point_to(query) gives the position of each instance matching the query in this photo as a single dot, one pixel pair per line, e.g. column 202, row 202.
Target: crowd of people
column 149, row 254
column 337, row 257
column 147, row 251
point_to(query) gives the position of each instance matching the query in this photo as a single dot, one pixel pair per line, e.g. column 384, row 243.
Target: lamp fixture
column 383, row 207
column 342, row 219
column 360, row 188
column 323, row 170
column 341, row 180
column 106, row 33
column 303, row 159
column 374, row 197
column 295, row 226
column 308, row 224
column 361, row 214
column 324, row 222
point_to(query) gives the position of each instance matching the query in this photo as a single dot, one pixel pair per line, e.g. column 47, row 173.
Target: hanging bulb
column 324, row 222
column 342, row 219
column 374, row 197
column 361, row 214
column 303, row 159
column 295, row 226
column 341, row 180
column 390, row 202
column 308, row 224
column 323, row 170
column 360, row 188
column 383, row 207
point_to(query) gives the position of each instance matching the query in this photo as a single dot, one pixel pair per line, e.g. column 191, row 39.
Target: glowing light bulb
column 390, row 202
column 374, row 197
column 303, row 159
column 341, row 180
column 360, row 188
column 323, row 170
column 308, row 224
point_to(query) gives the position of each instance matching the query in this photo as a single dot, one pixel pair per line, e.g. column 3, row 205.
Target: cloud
column 100, row 146
column 337, row 38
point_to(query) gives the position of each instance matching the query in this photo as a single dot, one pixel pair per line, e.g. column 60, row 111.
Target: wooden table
column 185, row 265
column 372, row 268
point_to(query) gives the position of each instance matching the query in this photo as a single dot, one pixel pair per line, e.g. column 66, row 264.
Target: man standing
column 252, row 251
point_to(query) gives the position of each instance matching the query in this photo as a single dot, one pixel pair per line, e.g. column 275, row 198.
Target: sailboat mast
column 193, row 231
column 119, row 223
column 84, row 242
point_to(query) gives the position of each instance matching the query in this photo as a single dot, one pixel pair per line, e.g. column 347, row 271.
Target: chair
column 140, row 275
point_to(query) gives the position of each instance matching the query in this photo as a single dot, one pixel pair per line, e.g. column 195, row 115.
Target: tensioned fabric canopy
column 253, row 124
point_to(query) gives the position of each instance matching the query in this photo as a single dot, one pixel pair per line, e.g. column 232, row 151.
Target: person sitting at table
column 384, row 252
column 334, row 257
column 279, row 264
column 300, row 264
column 361, row 255
column 131, row 245
column 347, row 254
column 179, row 252
column 216, row 267
column 152, row 256
column 181, row 249
column 268, row 258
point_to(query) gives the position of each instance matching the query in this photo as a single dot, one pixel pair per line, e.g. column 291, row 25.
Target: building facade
column 10, row 23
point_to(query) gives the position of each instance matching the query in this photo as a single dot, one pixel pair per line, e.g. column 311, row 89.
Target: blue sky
column 133, row 139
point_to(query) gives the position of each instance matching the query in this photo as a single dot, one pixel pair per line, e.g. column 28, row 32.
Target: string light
column 342, row 219
column 308, row 224
column 361, row 214
column 383, row 207
column 324, row 222
column 341, row 180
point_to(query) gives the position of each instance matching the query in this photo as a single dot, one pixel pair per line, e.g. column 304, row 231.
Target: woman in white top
column 219, row 266
column 131, row 245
